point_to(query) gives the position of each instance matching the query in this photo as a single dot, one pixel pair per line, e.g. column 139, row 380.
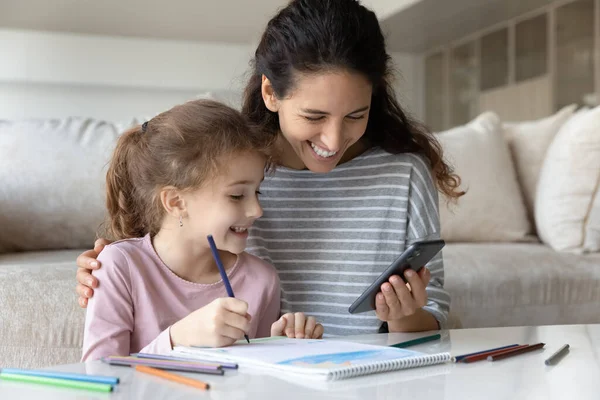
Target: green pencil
column 417, row 341
column 97, row 387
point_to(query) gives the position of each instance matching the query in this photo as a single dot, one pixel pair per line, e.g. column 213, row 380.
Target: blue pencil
column 461, row 357
column 215, row 253
column 109, row 380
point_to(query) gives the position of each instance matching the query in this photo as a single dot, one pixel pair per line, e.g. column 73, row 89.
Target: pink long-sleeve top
column 138, row 299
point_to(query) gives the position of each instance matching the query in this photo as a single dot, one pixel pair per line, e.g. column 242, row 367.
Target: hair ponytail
column 179, row 148
column 122, row 202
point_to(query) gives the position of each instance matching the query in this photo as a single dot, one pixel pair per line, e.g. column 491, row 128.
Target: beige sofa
column 51, row 202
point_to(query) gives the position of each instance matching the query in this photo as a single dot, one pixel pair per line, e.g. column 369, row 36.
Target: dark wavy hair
column 310, row 36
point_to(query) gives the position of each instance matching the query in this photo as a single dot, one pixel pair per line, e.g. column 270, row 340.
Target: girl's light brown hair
column 183, row 148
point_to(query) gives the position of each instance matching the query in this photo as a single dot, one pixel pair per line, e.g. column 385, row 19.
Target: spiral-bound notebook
column 325, row 359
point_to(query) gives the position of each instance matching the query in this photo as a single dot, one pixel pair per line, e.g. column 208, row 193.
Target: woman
column 355, row 183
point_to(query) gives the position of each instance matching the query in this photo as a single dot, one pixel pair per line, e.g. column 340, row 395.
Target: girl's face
column 324, row 115
column 227, row 205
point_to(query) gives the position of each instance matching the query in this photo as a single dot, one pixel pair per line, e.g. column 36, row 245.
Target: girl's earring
column 180, row 222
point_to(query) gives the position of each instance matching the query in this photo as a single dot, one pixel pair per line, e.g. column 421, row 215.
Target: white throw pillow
column 493, row 208
column 529, row 142
column 52, row 175
column 567, row 211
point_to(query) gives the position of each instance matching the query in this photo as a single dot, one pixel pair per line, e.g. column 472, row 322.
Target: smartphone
column 414, row 257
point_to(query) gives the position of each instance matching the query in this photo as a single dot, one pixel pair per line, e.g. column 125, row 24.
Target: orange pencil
column 172, row 377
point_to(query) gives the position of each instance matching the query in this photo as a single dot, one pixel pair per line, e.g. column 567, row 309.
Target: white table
column 577, row 376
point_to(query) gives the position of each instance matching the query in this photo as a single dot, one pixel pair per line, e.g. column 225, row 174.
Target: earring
column 180, row 222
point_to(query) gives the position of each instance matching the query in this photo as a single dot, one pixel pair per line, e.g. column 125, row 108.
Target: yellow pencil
column 172, row 377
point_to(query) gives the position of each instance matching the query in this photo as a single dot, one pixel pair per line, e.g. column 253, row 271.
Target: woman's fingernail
column 410, row 273
column 89, row 282
column 94, row 264
column 387, row 288
column 88, row 293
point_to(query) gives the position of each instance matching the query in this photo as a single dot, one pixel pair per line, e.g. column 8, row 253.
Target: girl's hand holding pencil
column 297, row 325
column 220, row 323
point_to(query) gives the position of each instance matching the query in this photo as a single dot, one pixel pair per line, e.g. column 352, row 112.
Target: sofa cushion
column 52, row 176
column 528, row 142
column 493, row 208
column 512, row 284
column 566, row 212
column 41, row 323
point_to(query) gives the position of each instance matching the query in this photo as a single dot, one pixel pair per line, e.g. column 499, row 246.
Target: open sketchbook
column 325, row 359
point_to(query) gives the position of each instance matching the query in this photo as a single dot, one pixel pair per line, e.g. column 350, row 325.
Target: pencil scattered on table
column 485, row 355
column 417, row 341
column 184, row 366
column 109, row 380
column 515, row 352
column 503, row 352
column 463, row 356
column 557, row 356
column 67, row 380
column 184, row 359
column 173, row 377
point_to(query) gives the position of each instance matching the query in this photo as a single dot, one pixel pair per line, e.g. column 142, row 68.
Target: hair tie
column 144, row 126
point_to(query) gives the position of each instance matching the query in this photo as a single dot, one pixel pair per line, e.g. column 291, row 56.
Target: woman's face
column 321, row 118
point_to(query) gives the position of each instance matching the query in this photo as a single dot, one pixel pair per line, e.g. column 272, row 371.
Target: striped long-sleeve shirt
column 330, row 235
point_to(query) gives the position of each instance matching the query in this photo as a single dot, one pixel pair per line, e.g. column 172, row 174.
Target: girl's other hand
column 297, row 325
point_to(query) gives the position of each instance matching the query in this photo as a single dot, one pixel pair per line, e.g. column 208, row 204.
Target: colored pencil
column 144, row 361
column 226, row 365
column 515, row 352
column 417, row 341
column 65, row 383
column 108, row 380
column 556, row 357
column 163, row 364
column 459, row 358
column 215, row 253
column 484, row 356
column 172, row 377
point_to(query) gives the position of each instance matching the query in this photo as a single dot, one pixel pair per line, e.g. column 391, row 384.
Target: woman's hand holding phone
column 398, row 300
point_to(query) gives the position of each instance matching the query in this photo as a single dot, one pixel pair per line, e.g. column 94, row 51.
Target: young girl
column 189, row 172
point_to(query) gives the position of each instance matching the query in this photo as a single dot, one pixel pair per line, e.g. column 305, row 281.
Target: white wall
column 45, row 74
column 29, row 56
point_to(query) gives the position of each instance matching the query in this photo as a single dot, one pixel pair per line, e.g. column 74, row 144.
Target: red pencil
column 484, row 356
column 506, row 354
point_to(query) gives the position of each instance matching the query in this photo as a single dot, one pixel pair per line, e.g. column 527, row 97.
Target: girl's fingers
column 300, row 322
column 309, row 328
column 278, row 327
column 289, row 328
column 230, row 332
column 318, row 332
